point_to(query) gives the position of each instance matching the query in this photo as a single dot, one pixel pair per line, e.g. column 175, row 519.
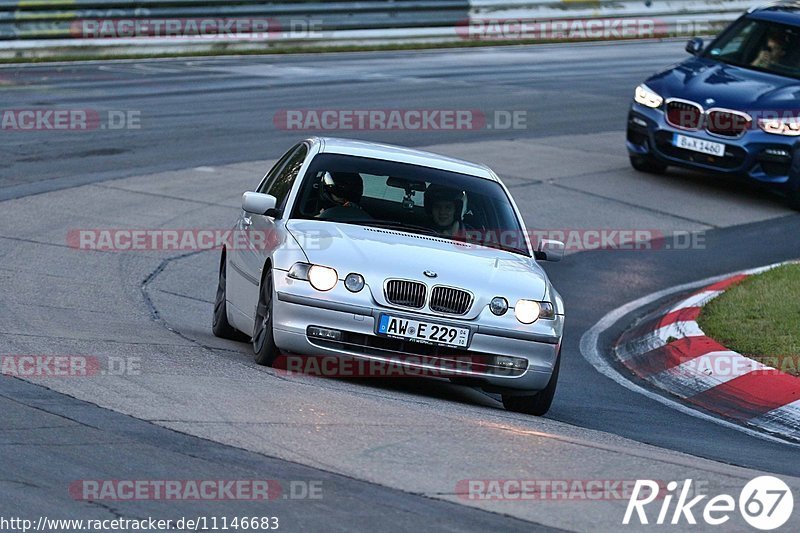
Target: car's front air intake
column 405, row 293
column 450, row 300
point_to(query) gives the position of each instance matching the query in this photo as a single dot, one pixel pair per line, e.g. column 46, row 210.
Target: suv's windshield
column 759, row 45
column 411, row 198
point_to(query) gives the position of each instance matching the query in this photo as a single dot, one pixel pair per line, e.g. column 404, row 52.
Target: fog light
column 498, row 305
column 515, row 363
column 324, row 333
column 776, row 152
column 639, row 122
column 354, row 282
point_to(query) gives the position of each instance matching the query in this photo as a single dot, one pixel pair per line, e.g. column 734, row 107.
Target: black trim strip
column 522, row 335
column 325, row 304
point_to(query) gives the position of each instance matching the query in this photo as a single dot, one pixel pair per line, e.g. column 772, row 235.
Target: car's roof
column 786, row 12
column 388, row 152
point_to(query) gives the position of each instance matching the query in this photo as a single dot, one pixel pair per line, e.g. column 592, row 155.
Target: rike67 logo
column 765, row 503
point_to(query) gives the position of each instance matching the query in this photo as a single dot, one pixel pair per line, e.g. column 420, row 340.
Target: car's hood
column 379, row 253
column 698, row 79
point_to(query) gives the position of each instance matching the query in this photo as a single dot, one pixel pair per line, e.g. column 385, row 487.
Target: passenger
column 444, row 206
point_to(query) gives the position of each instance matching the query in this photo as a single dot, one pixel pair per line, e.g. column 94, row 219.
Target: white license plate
column 425, row 332
column 699, row 145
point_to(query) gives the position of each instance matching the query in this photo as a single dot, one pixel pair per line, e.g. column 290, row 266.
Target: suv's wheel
column 645, row 163
column 263, row 341
column 220, row 325
column 794, row 199
column 539, row 403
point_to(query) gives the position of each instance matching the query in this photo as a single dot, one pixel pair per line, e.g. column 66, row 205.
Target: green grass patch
column 760, row 318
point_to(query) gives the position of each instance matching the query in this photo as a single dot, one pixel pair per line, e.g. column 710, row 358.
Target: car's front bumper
column 296, row 307
column 756, row 156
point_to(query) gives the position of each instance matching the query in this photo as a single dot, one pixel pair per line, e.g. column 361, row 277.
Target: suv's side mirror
column 695, row 46
column 550, row 250
column 258, row 203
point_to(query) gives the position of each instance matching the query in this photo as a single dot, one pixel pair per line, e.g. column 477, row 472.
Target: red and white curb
column 671, row 352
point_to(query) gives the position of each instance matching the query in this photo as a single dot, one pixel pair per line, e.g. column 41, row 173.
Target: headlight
column 322, row 278
column 354, row 282
column 498, row 305
column 527, row 311
column 781, row 126
column 647, row 97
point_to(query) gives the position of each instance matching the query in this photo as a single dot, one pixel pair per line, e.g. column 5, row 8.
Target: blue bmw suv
column 732, row 108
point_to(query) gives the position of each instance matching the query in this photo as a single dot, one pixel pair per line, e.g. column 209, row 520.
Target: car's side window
column 282, row 184
column 270, row 177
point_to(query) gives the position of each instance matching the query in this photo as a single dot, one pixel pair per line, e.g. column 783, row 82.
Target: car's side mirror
column 550, row 250
column 258, row 203
column 695, row 46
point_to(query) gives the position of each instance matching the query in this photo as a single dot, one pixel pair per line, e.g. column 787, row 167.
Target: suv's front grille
column 684, row 115
column 727, row 123
column 450, row 300
column 405, row 293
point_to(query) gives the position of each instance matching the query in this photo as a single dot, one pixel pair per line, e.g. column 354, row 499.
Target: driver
column 773, row 50
column 444, row 206
column 339, row 196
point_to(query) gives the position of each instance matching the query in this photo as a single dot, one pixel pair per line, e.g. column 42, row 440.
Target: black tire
column 539, row 403
column 794, row 200
column 647, row 164
column 220, row 325
column 264, row 349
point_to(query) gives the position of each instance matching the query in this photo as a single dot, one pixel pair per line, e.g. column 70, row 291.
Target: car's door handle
column 246, row 222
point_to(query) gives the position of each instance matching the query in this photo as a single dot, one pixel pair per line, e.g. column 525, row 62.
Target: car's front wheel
column 220, row 325
column 648, row 164
column 539, row 403
column 263, row 340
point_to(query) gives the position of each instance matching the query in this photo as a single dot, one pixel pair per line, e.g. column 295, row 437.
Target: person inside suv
column 773, row 51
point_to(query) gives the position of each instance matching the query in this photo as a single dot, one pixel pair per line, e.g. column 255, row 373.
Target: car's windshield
column 411, row 198
column 759, row 45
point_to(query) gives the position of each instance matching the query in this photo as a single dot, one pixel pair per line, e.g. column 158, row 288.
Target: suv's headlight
column 321, row 277
column 647, row 97
column 781, row 126
column 529, row 311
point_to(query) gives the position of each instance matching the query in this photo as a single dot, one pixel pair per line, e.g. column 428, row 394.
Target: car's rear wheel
column 220, row 325
column 645, row 163
column 264, row 347
column 539, row 403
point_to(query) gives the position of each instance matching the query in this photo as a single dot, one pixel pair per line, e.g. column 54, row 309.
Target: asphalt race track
column 387, row 454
